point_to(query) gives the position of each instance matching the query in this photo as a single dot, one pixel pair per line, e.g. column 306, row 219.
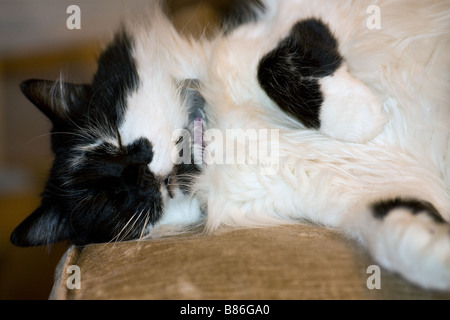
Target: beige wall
column 2, row 118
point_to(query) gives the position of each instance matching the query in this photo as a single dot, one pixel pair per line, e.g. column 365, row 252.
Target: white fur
column 326, row 181
column 350, row 111
column 155, row 110
column 152, row 112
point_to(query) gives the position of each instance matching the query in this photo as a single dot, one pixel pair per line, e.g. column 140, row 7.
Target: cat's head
column 114, row 174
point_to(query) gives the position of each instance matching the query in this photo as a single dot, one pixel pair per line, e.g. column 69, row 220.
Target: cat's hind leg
column 410, row 237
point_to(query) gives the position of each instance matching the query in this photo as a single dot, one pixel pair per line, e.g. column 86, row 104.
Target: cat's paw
column 350, row 111
column 414, row 241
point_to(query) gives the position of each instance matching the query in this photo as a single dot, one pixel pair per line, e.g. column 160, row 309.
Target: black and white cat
column 152, row 145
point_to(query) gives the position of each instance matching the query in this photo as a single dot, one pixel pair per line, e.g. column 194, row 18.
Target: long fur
column 330, row 182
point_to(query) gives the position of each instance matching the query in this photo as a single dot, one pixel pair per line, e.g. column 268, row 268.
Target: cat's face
column 114, row 173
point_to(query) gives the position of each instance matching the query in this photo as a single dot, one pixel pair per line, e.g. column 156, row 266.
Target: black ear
column 44, row 226
column 55, row 99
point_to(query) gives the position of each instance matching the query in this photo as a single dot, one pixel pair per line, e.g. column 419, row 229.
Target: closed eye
column 119, row 139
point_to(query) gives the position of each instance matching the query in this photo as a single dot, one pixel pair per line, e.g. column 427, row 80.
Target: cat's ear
column 44, row 226
column 55, row 99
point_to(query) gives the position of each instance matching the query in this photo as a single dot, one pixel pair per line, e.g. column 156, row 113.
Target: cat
column 342, row 155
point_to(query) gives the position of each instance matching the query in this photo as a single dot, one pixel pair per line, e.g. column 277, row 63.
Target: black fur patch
column 116, row 78
column 381, row 209
column 237, row 12
column 289, row 73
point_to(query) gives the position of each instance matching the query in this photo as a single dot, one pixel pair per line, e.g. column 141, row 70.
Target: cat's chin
column 180, row 213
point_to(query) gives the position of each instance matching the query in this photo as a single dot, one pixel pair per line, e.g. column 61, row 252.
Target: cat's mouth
column 180, row 180
column 197, row 126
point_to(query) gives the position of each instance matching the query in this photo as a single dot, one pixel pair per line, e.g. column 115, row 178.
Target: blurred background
column 36, row 43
